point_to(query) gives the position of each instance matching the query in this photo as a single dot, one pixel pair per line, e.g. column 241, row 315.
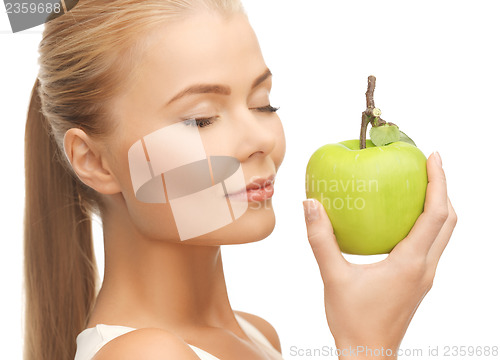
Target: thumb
column 429, row 223
column 322, row 240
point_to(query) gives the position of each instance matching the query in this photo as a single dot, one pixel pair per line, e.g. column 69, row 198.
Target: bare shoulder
column 264, row 327
column 146, row 344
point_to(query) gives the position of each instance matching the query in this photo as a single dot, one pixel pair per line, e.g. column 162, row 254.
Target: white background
column 438, row 77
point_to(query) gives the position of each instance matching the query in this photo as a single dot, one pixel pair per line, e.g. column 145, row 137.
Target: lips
column 260, row 183
column 257, row 183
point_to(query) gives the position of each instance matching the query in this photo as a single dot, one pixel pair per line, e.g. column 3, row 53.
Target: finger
column 444, row 236
column 322, row 240
column 430, row 222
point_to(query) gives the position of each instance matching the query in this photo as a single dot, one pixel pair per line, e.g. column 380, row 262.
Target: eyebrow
column 216, row 89
column 261, row 78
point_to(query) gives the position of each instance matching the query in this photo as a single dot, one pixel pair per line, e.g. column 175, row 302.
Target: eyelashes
column 204, row 122
column 201, row 122
column 267, row 108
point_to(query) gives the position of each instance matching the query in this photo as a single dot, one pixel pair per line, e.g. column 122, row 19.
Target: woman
column 139, row 107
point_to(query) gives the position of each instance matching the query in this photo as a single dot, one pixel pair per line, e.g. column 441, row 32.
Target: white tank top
column 91, row 340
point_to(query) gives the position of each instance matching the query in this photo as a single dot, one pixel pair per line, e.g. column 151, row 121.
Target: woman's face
column 202, row 91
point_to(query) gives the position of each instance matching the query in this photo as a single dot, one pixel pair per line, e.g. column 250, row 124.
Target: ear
column 87, row 162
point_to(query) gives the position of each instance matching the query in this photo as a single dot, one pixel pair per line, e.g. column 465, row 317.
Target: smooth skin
column 174, row 292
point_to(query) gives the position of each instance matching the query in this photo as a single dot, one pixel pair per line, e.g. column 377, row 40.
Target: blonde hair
column 83, row 56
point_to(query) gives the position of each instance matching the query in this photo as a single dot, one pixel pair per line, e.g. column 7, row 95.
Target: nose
column 255, row 134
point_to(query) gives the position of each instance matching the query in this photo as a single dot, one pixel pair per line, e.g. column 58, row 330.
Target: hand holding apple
column 372, row 305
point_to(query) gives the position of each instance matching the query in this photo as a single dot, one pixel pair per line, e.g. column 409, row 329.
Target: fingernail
column 438, row 159
column 311, row 210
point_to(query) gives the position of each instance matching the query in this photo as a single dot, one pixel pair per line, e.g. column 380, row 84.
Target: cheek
column 154, row 221
column 184, row 203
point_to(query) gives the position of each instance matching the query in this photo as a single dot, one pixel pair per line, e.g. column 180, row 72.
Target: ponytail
column 87, row 57
column 59, row 266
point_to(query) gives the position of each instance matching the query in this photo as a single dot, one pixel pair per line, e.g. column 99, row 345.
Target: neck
column 150, row 282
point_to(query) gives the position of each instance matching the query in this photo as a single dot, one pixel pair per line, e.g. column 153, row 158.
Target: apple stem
column 364, row 126
column 370, row 102
column 371, row 115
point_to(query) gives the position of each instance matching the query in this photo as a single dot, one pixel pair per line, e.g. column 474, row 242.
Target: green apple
column 372, row 196
column 372, row 190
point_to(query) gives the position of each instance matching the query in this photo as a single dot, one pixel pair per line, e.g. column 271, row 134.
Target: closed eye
column 267, row 108
column 201, row 122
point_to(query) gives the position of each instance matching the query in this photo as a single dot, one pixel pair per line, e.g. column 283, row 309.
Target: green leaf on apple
column 384, row 134
column 406, row 138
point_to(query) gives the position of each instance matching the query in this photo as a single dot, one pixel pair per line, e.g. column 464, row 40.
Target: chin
column 255, row 224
